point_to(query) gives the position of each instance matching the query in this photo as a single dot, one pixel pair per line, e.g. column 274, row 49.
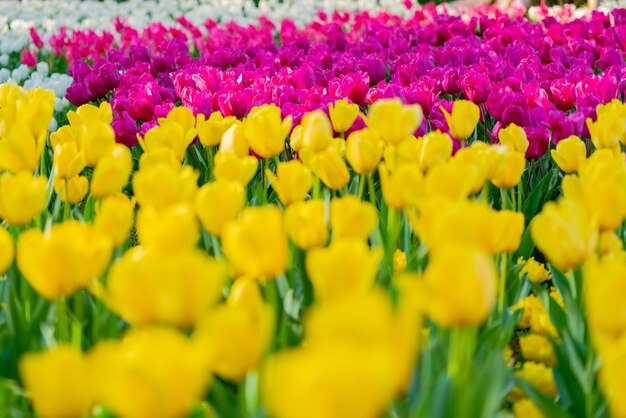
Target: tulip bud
column 218, row 203
column 211, row 131
column 73, row 190
column 7, row 250
column 22, row 197
column 434, row 148
column 161, row 185
column 463, row 120
column 393, row 121
column 343, row 114
column 317, row 132
column 114, row 217
column 511, row 171
column 112, row 171
column 169, row 229
column 306, row 225
column 266, row 131
column 403, row 188
column 514, row 137
column 352, row 218
column 569, row 154
column 330, row 168
column 364, row 150
column 292, row 181
column 230, row 167
column 68, row 160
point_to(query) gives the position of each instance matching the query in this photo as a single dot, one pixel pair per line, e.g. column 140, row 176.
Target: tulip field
column 283, row 209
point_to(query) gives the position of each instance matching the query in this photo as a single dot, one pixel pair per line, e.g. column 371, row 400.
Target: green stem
column 362, row 181
column 316, row 187
column 63, row 332
column 502, row 287
column 216, row 247
column 66, row 213
column 371, row 190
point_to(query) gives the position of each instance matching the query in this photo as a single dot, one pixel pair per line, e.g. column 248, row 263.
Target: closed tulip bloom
column 612, row 378
column 511, row 171
column 345, row 268
column 463, row 120
column 237, row 332
column 604, row 280
column 65, row 258
column 176, row 287
column 569, row 154
column 352, row 218
column 94, row 140
column 22, row 197
column 256, row 244
column 58, row 382
column 475, row 156
column 461, row 286
column 292, row 181
column 393, row 121
column 161, row 156
column 171, row 135
column 230, row 167
column 180, row 116
column 537, row 348
column 364, row 149
column 7, row 250
column 114, row 217
column 234, row 141
column 20, row 150
column 608, row 130
column 454, row 179
column 68, row 160
column 218, row 203
column 210, row 131
column 399, row 261
column 306, row 225
column 434, row 148
column 295, row 140
column 564, row 234
column 330, row 167
column 73, row 190
column 266, row 131
column 112, row 171
column 161, row 185
column 317, row 132
column 169, row 229
column 403, row 188
column 514, row 137
column 63, row 135
column 135, row 376
column 102, row 113
column 343, row 114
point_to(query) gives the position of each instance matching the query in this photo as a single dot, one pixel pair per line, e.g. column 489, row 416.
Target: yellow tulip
column 161, row 185
column 403, row 188
column 230, row 167
column 170, row 229
column 564, row 234
column 234, row 141
column 68, row 160
column 237, row 332
column 22, row 197
column 343, row 114
column 211, row 131
column 219, row 202
column 514, row 137
column 609, row 128
column 569, row 154
column 63, row 259
column 112, row 171
column 604, row 280
column 476, row 156
column 256, row 244
column 153, row 372
column 175, row 287
column 58, row 382
column 399, row 261
column 511, row 171
column 292, row 181
column 94, row 139
column 330, row 167
column 63, row 135
column 7, row 250
column 540, row 376
column 536, row 271
column 463, row 120
column 88, row 112
column 160, row 156
column 393, row 121
column 345, row 268
column 317, row 132
column 612, row 377
column 171, row 135
column 266, row 131
column 20, row 150
column 364, row 149
column 73, row 190
column 537, row 348
column 295, row 140
column 351, row 218
column 181, row 116
column 305, row 224
column 454, row 179
column 461, row 286
column 434, row 148
column 114, row 217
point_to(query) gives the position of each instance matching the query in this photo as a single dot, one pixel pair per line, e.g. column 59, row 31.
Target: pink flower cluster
column 546, row 76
